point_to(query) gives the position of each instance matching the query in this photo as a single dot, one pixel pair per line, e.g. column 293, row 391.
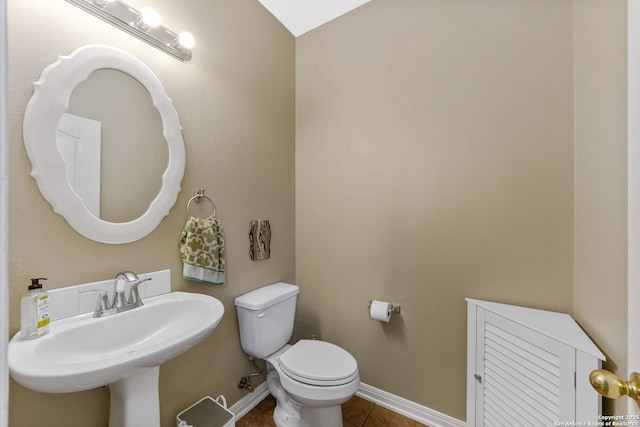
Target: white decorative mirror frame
column 51, row 99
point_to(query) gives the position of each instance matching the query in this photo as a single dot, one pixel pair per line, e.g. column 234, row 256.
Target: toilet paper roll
column 380, row 310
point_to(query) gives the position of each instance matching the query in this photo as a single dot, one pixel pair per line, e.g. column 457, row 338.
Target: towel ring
column 197, row 197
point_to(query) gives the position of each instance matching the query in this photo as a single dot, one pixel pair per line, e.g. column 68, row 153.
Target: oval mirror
column 113, row 171
column 111, row 138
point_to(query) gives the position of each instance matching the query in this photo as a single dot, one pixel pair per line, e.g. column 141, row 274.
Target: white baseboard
column 409, row 409
column 402, row 406
column 250, row 401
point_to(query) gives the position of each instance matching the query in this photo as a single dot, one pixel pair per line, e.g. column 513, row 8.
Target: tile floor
column 357, row 412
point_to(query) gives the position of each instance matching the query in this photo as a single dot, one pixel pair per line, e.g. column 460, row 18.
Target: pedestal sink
column 124, row 351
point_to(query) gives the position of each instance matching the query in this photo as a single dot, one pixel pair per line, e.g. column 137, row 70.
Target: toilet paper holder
column 392, row 307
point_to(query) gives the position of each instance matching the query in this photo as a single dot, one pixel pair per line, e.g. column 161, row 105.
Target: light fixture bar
column 123, row 16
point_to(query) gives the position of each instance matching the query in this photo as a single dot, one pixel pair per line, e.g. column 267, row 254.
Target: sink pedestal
column 135, row 401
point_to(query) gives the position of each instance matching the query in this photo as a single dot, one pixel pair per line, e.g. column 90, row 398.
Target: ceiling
column 300, row 16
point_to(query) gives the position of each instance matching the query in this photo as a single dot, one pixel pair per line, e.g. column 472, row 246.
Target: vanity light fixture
column 144, row 25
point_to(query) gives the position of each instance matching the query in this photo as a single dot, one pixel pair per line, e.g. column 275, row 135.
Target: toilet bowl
column 318, row 376
column 310, row 379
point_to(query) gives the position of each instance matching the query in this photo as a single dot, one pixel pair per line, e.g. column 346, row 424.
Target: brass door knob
column 610, row 385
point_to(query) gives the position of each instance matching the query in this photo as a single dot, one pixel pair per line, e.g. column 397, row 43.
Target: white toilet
column 310, row 379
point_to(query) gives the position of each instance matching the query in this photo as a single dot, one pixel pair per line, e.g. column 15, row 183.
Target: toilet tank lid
column 266, row 296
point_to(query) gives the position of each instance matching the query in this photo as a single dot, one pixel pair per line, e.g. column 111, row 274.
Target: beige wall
column 601, row 179
column 235, row 100
column 434, row 162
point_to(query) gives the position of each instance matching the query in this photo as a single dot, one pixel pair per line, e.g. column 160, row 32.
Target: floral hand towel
column 202, row 250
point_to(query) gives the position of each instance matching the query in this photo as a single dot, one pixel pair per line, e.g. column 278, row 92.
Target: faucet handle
column 103, row 305
column 103, row 301
column 135, row 295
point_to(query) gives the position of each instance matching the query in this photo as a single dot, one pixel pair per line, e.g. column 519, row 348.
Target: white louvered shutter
column 528, row 368
column 525, row 378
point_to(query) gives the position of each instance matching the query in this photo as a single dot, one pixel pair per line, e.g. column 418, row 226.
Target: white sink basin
column 82, row 352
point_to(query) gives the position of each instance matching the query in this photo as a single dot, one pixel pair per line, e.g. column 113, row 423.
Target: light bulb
column 150, row 17
column 186, row 40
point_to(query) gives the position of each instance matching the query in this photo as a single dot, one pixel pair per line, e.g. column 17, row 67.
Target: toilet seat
column 318, row 363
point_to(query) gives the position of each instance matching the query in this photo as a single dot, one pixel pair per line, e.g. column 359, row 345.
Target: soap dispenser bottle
column 34, row 320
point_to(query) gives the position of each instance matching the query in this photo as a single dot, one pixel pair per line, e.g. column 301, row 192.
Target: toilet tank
column 265, row 318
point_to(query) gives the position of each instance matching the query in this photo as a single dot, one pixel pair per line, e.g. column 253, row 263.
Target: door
column 633, row 193
column 78, row 140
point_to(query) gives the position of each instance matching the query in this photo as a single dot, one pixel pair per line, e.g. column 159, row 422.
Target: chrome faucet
column 120, row 302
